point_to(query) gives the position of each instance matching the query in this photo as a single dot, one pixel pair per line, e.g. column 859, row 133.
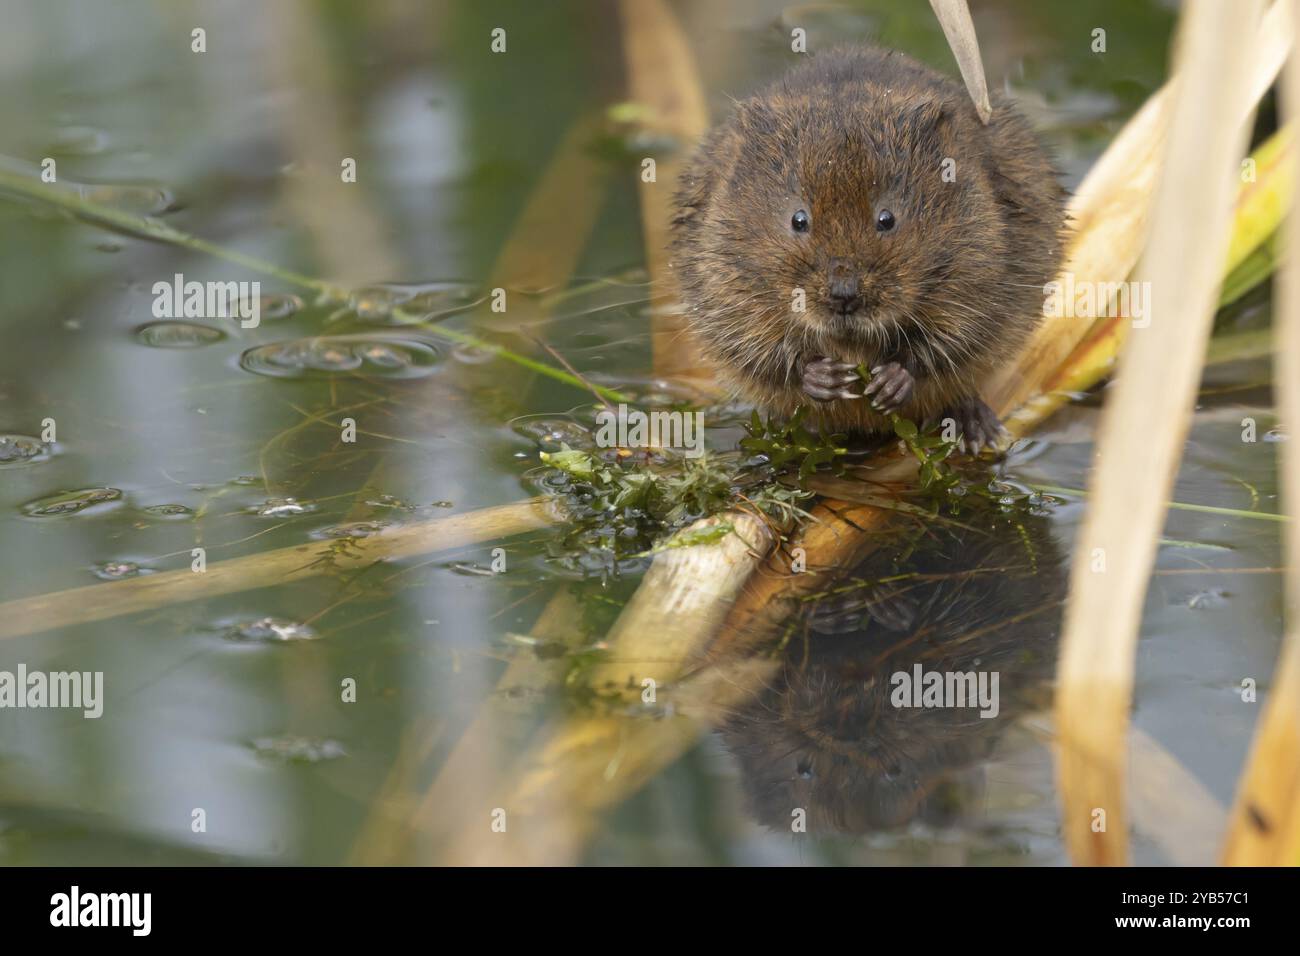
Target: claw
column 891, row 385
column 826, row 379
column 978, row 426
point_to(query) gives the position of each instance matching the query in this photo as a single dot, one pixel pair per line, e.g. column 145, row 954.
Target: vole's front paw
column 825, row 379
column 890, row 388
column 978, row 426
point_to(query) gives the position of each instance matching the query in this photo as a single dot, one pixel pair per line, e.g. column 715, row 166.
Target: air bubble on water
column 438, row 299
column 550, row 433
column 291, row 748
column 1276, row 434
column 117, row 570
column 353, row 529
column 473, row 354
column 270, row 630
column 70, row 502
column 324, row 356
column 19, row 450
column 136, row 199
column 282, row 508
column 245, row 480
column 383, row 356
column 548, row 481
column 273, row 308
column 376, row 303
column 177, row 335
column 418, row 302
column 169, row 511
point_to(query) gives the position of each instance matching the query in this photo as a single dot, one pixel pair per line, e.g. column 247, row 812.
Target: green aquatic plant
column 623, row 509
column 789, row 443
column 929, row 449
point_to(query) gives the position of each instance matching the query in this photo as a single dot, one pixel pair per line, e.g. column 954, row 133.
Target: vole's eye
column 884, row 221
column 799, row 222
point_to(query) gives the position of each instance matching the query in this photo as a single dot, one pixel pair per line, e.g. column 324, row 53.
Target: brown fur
column 950, row 293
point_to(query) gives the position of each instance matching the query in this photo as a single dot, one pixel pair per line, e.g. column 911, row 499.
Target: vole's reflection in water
column 828, row 734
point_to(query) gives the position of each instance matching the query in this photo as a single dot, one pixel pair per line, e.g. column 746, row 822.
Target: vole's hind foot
column 890, row 388
column 825, row 379
column 978, row 426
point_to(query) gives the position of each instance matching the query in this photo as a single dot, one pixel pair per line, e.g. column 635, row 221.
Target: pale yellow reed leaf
column 662, row 78
column 99, row 602
column 1109, row 215
column 1145, row 421
column 1265, row 823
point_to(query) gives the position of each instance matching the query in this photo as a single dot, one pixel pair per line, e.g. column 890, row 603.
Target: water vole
column 863, row 188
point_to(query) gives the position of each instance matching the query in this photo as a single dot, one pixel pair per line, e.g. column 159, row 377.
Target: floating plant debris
column 282, row 508
column 476, row 570
column 389, row 501
column 178, row 335
column 1208, row 599
column 294, row 749
column 270, row 630
column 18, row 450
column 334, row 354
column 70, row 502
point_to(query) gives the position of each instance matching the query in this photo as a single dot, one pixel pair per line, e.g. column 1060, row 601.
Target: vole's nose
column 842, row 288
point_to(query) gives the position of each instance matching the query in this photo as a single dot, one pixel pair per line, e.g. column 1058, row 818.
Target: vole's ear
column 925, row 120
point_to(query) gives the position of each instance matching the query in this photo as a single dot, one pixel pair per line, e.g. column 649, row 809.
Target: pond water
column 315, row 718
